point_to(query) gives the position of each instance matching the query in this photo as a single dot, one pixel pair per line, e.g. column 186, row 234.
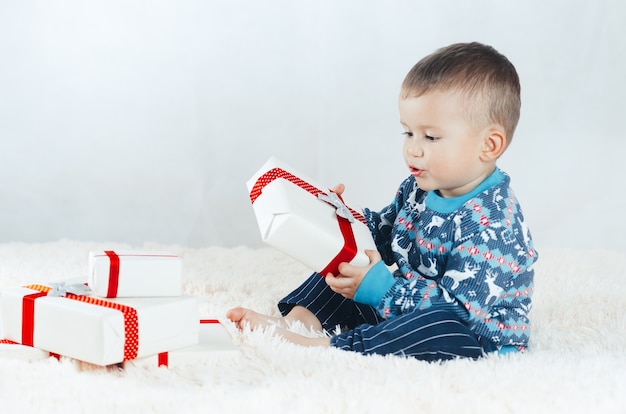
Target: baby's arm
column 381, row 223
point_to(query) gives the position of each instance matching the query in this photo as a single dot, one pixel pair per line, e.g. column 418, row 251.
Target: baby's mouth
column 415, row 172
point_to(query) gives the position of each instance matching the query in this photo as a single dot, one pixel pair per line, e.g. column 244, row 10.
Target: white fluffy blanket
column 577, row 362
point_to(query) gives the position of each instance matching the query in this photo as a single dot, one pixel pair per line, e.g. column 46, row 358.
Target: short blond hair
column 487, row 79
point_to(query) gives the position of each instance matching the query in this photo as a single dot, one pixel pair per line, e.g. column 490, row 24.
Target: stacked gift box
column 131, row 308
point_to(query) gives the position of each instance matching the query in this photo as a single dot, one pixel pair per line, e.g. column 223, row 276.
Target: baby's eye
column 407, row 134
column 430, row 137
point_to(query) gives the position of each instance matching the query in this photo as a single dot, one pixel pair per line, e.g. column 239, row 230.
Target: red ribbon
column 203, row 321
column 28, row 316
column 131, row 323
column 349, row 250
column 114, row 273
column 163, row 359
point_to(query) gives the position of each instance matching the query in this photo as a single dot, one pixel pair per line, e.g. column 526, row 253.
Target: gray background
column 140, row 121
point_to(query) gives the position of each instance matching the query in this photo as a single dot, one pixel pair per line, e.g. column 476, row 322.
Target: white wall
column 134, row 121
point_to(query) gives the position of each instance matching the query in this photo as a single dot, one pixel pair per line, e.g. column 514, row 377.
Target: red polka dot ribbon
column 131, row 322
column 276, row 173
column 349, row 250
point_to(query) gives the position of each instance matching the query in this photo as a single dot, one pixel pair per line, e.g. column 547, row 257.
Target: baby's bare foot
column 243, row 316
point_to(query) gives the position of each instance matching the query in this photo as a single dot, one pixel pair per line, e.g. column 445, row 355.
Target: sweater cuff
column 374, row 285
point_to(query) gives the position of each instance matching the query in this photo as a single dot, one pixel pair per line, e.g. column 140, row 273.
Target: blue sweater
column 472, row 254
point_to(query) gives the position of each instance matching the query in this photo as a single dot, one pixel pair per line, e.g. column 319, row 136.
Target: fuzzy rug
column 577, row 362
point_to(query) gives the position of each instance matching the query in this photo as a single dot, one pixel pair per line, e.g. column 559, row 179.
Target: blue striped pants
column 431, row 334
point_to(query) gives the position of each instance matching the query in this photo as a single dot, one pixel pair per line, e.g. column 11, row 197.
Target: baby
column 461, row 253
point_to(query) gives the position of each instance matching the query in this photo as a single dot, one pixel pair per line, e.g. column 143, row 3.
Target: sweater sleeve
column 374, row 285
column 381, row 223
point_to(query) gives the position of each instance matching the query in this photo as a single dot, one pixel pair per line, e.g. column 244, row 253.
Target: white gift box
column 95, row 330
column 10, row 349
column 214, row 342
column 134, row 274
column 292, row 219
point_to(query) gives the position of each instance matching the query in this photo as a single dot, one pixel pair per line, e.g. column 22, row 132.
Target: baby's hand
column 339, row 189
column 350, row 277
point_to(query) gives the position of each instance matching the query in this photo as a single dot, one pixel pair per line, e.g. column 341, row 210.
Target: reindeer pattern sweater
column 471, row 254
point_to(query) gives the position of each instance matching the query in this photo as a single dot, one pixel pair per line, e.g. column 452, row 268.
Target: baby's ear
column 494, row 144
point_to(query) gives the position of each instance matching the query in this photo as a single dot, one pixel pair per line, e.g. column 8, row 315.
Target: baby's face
column 441, row 149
